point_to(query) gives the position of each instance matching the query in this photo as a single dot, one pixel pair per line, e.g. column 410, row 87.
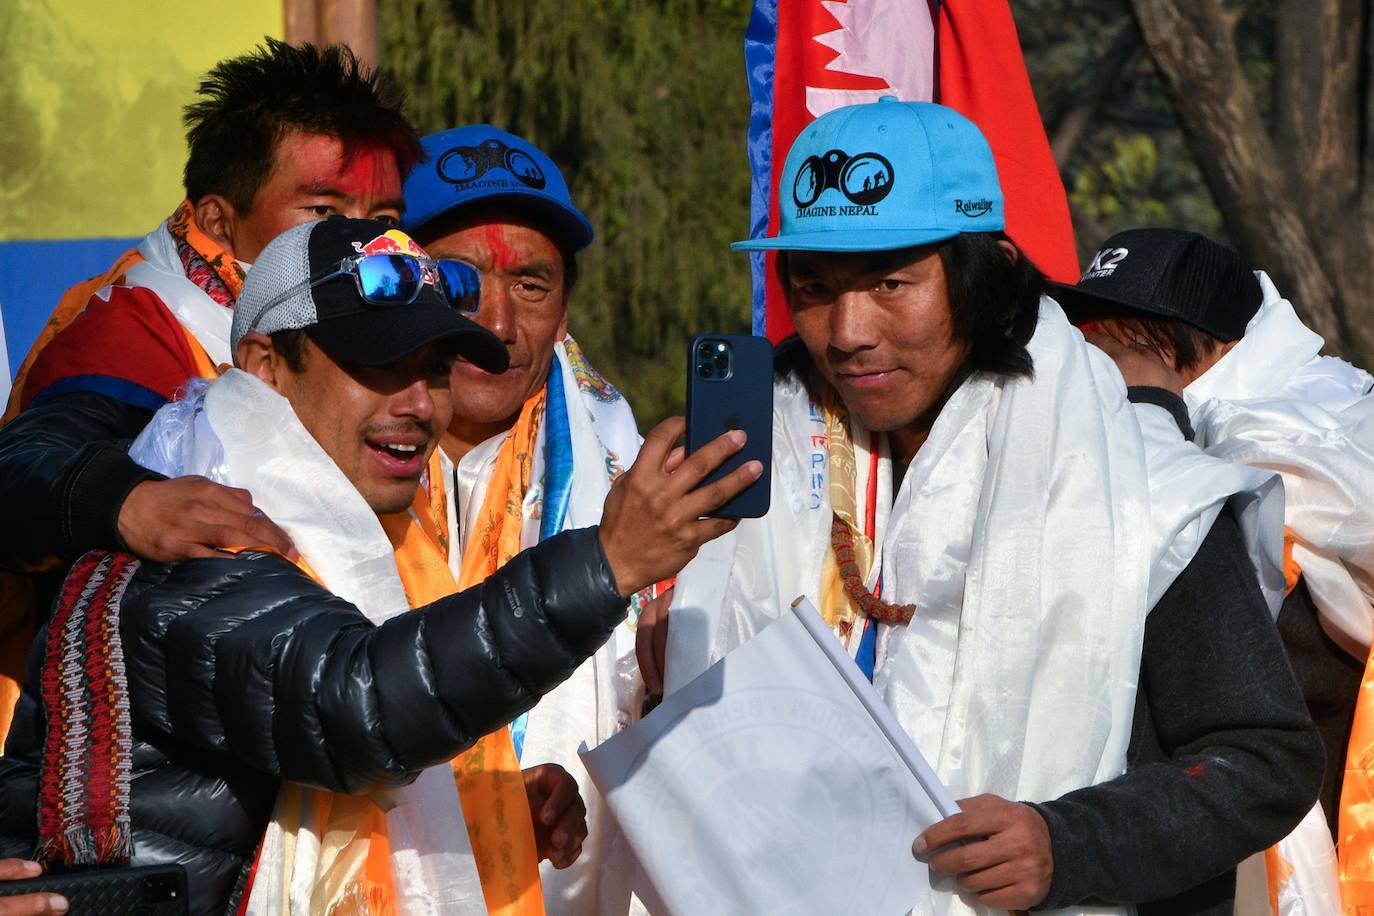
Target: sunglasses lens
column 462, row 284
column 390, row 279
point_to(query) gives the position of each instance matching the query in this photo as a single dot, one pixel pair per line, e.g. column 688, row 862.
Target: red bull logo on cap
column 394, row 241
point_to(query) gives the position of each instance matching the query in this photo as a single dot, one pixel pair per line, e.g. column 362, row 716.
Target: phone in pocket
column 730, row 386
column 149, row 890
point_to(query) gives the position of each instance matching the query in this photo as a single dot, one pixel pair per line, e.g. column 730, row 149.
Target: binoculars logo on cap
column 465, row 164
column 864, row 178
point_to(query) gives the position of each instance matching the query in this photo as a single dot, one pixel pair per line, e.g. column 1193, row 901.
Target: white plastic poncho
column 1034, row 530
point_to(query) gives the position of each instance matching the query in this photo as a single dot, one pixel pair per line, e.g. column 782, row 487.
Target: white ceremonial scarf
column 1272, row 402
column 162, row 272
column 600, row 697
column 239, row 432
column 1034, row 530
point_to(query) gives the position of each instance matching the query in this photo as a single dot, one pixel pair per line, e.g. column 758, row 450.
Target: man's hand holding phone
column 655, row 517
column 730, row 386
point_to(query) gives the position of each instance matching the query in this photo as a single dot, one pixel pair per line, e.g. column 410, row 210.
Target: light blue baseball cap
column 480, row 164
column 885, row 175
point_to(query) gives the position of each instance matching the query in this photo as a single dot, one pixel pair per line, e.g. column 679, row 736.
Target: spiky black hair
column 248, row 103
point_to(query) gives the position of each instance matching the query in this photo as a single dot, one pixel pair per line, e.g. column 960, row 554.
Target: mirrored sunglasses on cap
column 395, row 279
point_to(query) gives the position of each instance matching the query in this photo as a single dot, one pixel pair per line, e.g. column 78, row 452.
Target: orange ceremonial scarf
column 1355, row 849
column 508, row 850
column 354, row 875
column 1355, row 825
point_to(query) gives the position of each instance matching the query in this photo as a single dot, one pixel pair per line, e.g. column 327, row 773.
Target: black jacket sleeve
column 64, row 474
column 248, row 657
column 1224, row 760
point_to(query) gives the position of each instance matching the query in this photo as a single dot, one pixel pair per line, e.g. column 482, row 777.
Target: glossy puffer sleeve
column 64, row 474
column 249, row 658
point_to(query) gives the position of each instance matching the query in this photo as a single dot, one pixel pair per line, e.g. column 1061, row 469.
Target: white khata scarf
column 162, row 272
column 1035, row 529
column 1274, row 403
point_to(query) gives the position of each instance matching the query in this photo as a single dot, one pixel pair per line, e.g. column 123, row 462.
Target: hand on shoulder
column 165, row 521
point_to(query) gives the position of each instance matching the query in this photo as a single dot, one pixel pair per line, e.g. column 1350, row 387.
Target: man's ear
column 256, row 356
column 215, row 216
column 563, row 322
column 1010, row 250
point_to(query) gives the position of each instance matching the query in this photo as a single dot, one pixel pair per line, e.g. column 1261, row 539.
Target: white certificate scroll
column 776, row 782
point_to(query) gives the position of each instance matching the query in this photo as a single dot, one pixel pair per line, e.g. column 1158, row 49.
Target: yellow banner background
column 91, row 94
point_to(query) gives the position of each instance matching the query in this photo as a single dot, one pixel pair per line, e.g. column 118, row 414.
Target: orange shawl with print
column 495, row 540
column 355, row 875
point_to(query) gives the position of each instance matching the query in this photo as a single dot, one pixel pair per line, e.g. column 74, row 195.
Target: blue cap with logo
column 885, row 175
column 482, row 164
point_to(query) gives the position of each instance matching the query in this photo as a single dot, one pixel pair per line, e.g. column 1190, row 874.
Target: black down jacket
column 243, row 672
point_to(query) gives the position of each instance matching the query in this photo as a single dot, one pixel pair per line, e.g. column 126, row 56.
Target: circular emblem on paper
column 753, row 783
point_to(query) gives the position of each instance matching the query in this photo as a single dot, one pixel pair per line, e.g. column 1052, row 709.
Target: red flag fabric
column 805, row 57
column 982, row 75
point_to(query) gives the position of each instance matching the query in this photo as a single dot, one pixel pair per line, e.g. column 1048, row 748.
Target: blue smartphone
column 730, row 386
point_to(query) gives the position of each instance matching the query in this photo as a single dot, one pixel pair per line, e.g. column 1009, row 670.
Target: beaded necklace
column 873, row 607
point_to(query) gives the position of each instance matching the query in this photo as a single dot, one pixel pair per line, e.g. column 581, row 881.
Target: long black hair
column 994, row 303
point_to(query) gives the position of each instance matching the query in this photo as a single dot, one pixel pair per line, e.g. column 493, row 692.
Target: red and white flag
column 807, row 57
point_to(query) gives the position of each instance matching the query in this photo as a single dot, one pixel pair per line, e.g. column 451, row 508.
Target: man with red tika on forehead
column 531, row 452
column 279, row 136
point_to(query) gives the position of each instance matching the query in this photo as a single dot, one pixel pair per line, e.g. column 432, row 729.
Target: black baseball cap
column 277, row 297
column 1170, row 273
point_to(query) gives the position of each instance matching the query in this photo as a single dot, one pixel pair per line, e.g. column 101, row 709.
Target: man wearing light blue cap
column 963, row 488
column 532, row 451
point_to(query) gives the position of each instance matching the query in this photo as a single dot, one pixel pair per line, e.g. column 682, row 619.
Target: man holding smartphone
column 1056, row 595
column 534, row 449
column 270, row 697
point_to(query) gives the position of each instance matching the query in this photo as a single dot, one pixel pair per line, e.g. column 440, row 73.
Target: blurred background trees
column 1249, row 121
column 644, row 106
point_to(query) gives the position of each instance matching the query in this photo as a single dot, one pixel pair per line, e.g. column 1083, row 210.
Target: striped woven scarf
column 83, row 799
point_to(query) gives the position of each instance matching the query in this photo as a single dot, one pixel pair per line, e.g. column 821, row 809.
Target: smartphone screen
column 730, row 386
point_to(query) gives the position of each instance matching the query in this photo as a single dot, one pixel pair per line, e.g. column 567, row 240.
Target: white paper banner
column 776, row 782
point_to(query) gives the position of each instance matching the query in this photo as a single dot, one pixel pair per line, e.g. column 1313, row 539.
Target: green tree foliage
column 644, row 106
column 1132, row 165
